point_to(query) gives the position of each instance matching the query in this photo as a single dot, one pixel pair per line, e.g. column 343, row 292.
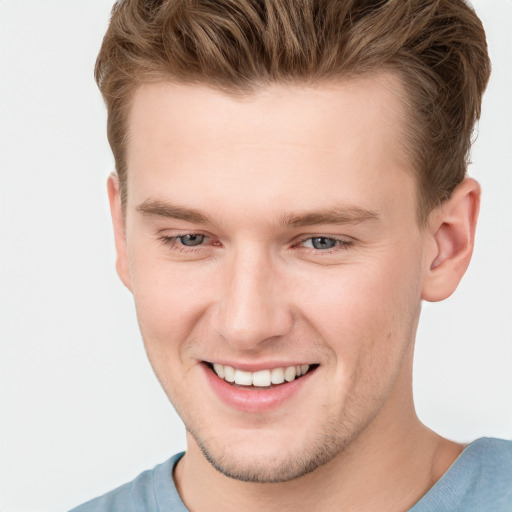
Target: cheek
column 170, row 299
column 367, row 318
column 364, row 311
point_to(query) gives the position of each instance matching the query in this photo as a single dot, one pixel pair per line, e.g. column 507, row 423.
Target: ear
column 451, row 230
column 119, row 229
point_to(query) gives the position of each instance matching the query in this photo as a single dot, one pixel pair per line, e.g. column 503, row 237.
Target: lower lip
column 254, row 399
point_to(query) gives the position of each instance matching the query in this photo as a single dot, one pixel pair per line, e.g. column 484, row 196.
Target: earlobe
column 118, row 223
column 452, row 233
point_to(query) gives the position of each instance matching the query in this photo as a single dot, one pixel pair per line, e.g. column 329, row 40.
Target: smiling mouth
column 261, row 378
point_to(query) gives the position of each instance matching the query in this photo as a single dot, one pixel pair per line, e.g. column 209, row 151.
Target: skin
column 257, row 291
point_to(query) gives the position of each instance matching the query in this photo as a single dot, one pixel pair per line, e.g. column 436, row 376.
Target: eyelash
column 172, row 242
column 340, row 243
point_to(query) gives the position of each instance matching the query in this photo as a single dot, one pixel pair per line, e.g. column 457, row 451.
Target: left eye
column 191, row 240
column 321, row 243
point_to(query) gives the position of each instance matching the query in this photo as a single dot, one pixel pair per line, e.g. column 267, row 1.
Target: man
column 291, row 185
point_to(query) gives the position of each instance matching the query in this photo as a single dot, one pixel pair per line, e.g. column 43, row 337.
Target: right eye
column 191, row 240
column 186, row 242
column 321, row 243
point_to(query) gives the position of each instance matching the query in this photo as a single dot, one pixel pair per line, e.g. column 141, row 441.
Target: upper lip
column 263, row 365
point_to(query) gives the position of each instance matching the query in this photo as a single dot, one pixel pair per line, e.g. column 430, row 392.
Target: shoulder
column 500, row 448
column 115, row 501
column 493, row 462
column 490, row 447
column 480, row 479
column 484, row 475
column 146, row 492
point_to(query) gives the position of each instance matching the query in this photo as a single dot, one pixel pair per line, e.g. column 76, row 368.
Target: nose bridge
column 253, row 306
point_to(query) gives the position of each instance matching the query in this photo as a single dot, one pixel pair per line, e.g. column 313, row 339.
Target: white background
column 80, row 411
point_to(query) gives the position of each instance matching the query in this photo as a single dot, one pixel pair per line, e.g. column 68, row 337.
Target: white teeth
column 243, row 378
column 277, row 376
column 219, row 370
column 229, row 373
column 261, row 378
column 290, row 373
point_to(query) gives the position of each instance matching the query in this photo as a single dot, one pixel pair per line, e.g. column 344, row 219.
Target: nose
column 252, row 308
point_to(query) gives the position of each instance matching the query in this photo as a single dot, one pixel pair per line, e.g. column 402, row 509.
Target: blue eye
column 321, row 243
column 191, row 240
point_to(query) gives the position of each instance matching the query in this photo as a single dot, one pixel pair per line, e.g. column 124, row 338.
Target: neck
column 388, row 467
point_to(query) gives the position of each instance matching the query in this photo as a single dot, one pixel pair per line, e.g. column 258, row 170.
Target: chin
column 267, row 461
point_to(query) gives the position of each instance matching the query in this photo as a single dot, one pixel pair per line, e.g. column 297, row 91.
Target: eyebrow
column 337, row 215
column 171, row 211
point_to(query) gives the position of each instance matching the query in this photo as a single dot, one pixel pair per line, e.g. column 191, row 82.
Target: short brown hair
column 437, row 48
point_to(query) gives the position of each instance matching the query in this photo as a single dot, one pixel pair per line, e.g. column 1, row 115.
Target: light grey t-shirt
column 480, row 480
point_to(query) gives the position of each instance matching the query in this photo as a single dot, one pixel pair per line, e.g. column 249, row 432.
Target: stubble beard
column 314, row 453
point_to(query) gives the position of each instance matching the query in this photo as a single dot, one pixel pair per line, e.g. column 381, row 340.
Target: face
column 272, row 240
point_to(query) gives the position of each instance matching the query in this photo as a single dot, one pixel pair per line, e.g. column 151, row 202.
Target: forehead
column 288, row 111
column 334, row 142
